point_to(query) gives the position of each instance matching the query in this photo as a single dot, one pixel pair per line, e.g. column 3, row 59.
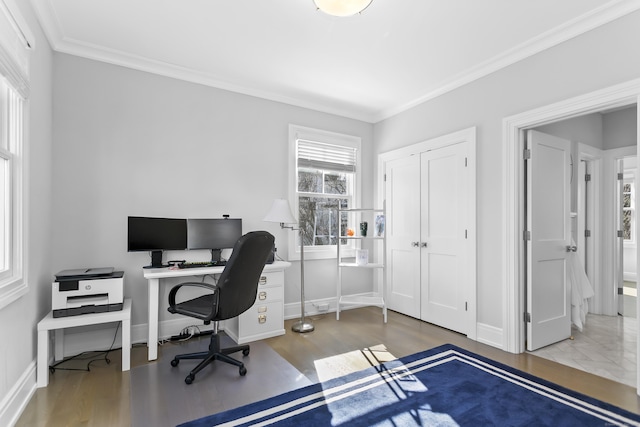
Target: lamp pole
column 302, row 325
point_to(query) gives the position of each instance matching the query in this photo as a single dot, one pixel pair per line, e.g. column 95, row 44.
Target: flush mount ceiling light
column 342, row 7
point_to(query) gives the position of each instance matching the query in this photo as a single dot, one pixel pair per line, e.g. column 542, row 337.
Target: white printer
column 90, row 290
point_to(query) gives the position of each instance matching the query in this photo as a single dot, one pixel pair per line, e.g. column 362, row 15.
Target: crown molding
column 597, row 17
column 582, row 24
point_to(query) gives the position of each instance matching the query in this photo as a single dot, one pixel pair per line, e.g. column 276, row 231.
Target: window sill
column 328, row 253
column 12, row 290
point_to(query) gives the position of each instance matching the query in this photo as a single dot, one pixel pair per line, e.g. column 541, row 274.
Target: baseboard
column 316, row 307
column 17, row 399
column 490, row 335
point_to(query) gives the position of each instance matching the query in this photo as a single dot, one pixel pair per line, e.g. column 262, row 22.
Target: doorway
column 605, row 343
column 622, row 95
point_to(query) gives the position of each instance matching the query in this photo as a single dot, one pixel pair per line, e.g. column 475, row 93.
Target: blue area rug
column 444, row 386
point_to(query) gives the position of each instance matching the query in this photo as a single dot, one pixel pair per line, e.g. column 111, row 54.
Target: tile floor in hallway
column 607, row 347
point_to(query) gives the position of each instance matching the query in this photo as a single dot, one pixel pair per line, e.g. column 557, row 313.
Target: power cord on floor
column 87, row 355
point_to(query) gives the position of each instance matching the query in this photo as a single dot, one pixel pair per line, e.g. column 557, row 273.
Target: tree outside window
column 628, row 210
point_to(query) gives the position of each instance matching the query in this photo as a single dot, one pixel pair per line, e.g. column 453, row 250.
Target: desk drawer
column 272, row 278
column 266, row 295
column 262, row 318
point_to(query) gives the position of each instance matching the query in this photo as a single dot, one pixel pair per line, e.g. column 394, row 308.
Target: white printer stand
column 58, row 324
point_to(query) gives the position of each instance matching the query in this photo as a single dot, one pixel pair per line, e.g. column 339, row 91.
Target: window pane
column 310, row 181
column 627, row 188
column 318, row 219
column 626, row 224
column 335, row 183
column 626, row 200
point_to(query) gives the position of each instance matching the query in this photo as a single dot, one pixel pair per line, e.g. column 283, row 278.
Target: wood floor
column 101, row 397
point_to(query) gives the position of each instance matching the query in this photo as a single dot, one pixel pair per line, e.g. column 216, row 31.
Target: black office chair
column 233, row 294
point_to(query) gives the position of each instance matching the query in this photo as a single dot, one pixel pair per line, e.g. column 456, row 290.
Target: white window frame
column 300, row 132
column 16, row 41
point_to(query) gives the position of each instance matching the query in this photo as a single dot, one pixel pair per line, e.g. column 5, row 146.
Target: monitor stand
column 156, row 260
column 216, row 256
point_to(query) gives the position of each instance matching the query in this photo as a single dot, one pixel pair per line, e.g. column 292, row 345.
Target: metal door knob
column 423, row 245
column 572, row 248
column 415, row 244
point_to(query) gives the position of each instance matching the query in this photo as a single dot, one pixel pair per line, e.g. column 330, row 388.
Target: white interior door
column 443, row 237
column 403, row 233
column 549, row 224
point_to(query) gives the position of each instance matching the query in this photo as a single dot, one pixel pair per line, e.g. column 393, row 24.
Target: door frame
column 608, row 303
column 593, row 245
column 513, row 128
column 467, row 136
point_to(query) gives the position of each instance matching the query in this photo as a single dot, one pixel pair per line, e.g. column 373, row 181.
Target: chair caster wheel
column 175, row 362
column 189, row 379
column 245, row 352
column 243, row 371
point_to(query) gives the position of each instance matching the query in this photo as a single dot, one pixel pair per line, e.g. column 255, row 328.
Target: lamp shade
column 280, row 212
column 342, row 7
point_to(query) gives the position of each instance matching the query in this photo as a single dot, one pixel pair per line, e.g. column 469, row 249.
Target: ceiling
column 396, row 54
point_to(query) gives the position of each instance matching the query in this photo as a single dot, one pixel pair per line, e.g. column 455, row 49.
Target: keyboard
column 201, row 264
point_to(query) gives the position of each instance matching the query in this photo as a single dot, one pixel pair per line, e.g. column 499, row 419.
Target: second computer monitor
column 214, row 234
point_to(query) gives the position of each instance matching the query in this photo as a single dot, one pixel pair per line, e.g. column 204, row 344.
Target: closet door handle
column 423, row 244
column 415, row 244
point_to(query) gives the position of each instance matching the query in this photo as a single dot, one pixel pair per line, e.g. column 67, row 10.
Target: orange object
column 350, row 232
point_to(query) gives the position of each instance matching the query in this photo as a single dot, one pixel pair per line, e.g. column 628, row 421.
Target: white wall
column 600, row 58
column 18, row 320
column 133, row 143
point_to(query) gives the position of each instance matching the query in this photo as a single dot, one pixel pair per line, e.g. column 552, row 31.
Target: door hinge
column 465, row 234
column 385, row 177
column 527, row 317
column 620, row 291
column 527, row 154
column 620, row 233
column 466, row 306
column 587, row 177
column 465, row 162
column 587, row 233
column 526, row 235
column 620, row 176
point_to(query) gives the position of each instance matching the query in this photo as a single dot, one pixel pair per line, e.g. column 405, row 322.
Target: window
column 325, row 175
column 628, row 209
column 14, row 91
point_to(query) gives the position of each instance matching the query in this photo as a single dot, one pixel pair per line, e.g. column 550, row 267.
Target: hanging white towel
column 581, row 290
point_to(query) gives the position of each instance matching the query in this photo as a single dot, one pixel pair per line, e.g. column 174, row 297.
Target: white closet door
column 443, row 237
column 403, row 234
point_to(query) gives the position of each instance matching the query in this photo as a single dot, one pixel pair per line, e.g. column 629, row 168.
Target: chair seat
column 199, row 307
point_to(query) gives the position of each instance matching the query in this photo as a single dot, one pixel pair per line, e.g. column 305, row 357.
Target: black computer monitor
column 156, row 235
column 214, row 234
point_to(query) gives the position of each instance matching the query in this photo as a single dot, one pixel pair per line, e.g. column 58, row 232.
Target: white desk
column 153, row 276
column 50, row 323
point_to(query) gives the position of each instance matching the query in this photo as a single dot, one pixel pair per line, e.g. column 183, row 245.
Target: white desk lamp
column 281, row 212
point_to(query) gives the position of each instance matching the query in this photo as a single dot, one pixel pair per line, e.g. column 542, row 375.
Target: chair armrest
column 176, row 288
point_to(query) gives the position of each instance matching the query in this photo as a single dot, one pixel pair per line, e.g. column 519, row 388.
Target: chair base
column 214, row 353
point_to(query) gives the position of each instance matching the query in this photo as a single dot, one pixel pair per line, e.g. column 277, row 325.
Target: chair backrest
column 238, row 283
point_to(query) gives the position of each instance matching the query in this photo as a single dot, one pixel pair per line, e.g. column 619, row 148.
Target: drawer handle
column 262, row 318
column 263, row 280
column 262, row 296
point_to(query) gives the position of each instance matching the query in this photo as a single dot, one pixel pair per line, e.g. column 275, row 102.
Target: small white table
column 58, row 325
